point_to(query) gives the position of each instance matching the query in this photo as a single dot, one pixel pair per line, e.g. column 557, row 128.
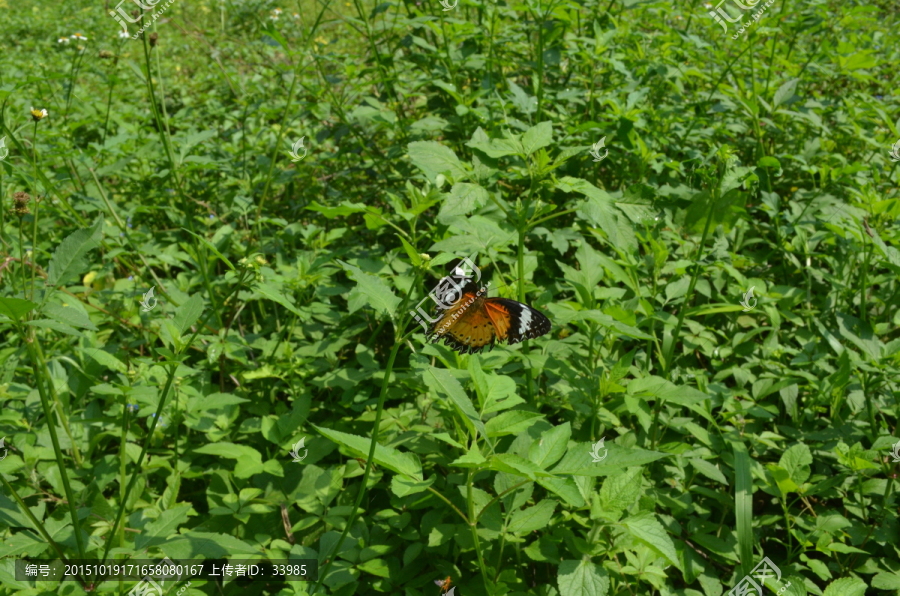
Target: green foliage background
column 284, row 290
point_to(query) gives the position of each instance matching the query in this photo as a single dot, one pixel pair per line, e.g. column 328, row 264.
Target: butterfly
column 445, row 586
column 474, row 321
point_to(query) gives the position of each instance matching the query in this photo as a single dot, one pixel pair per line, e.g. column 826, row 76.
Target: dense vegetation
column 291, row 180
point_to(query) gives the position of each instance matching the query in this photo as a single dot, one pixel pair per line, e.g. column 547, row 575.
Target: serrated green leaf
column 847, row 586
column 68, row 315
column 188, row 313
column 69, row 257
column 551, row 446
column 377, row 292
column 647, row 529
column 441, row 382
column 433, row 159
column 532, row 518
column 582, row 578
column 387, row 457
column 537, row 137
column 16, row 308
column 269, row 291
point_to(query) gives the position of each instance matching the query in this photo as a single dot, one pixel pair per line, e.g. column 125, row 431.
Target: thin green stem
column 39, row 372
column 162, row 125
column 473, row 527
column 173, row 366
column 399, row 338
column 37, row 524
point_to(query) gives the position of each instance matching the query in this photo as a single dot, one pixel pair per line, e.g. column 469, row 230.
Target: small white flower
column 124, row 34
column 79, row 37
column 708, row 5
column 62, row 40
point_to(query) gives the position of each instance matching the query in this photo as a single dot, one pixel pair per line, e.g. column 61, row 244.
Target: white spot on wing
column 524, row 321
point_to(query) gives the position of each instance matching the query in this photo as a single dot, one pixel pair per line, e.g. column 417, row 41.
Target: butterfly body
column 444, row 584
column 475, row 320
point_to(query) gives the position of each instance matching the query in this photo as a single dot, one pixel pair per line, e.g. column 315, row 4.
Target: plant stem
column 473, row 526
column 398, row 341
column 39, row 372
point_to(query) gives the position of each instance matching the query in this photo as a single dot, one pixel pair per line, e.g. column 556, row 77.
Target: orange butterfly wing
column 474, row 322
column 466, row 326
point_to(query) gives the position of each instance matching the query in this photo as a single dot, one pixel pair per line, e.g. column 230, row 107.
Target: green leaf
column 610, row 323
column 565, row 488
column 709, row 470
column 579, row 462
column 342, row 210
column 16, row 308
column 108, row 360
column 511, row 423
column 68, row 315
column 848, row 586
column 515, row 465
column 69, row 257
column 194, row 545
column 582, row 578
column 414, row 257
column 376, row 567
column 163, row 526
column 743, row 504
column 188, row 313
column 532, row 518
column 249, row 460
column 269, row 291
column 537, row 137
column 548, row 450
column 463, row 198
column 377, row 292
column 886, row 581
column 785, row 92
column 433, row 159
column 211, row 247
column 386, row 457
column 796, row 461
column 55, row 325
column 645, row 528
column 442, row 382
column 496, row 392
column 619, row 492
column 403, row 486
